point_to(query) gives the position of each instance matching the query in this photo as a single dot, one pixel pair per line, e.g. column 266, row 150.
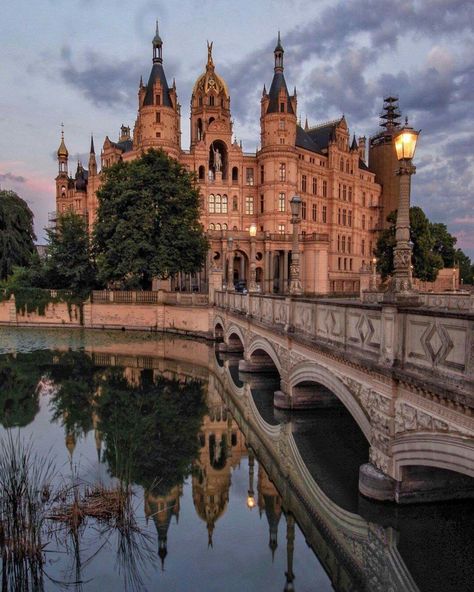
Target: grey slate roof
column 303, row 140
column 278, row 83
column 124, row 146
column 157, row 73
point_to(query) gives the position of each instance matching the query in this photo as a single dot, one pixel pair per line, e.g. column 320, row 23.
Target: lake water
column 148, row 420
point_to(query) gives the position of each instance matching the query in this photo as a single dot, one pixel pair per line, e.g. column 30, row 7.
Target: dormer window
column 157, row 99
column 211, row 101
column 282, row 107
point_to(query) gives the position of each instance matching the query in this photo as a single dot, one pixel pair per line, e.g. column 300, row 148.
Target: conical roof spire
column 92, row 150
column 157, row 39
column 157, row 47
column 278, row 52
column 62, row 150
column 279, row 46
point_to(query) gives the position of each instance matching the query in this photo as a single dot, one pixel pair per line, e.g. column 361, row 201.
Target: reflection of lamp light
column 401, row 285
column 251, row 496
column 295, row 282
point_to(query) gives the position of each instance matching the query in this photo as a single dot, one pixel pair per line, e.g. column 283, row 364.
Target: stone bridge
column 404, row 374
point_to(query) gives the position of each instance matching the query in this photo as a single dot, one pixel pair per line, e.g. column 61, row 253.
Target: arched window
column 202, row 173
column 224, row 226
column 235, row 174
column 218, row 226
column 212, row 227
column 211, row 119
column 212, row 204
column 199, row 129
column 224, row 204
column 343, row 244
column 235, row 203
column 218, row 202
column 211, row 100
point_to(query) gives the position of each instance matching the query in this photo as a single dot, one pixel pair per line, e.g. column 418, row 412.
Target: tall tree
column 16, row 233
column 426, row 260
column 148, row 221
column 69, row 264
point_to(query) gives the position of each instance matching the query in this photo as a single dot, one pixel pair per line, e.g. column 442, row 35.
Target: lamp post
column 373, row 279
column 295, row 282
column 401, row 286
column 230, row 265
column 253, row 265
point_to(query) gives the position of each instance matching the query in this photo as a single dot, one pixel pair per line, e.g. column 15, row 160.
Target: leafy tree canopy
column 148, row 221
column 69, row 264
column 433, row 246
column 16, row 233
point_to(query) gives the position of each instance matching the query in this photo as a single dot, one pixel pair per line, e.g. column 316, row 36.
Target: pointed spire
column 278, row 52
column 157, row 46
column 210, row 61
column 141, row 82
column 306, row 126
column 92, row 150
column 294, row 92
column 62, row 150
column 354, row 145
column 264, row 92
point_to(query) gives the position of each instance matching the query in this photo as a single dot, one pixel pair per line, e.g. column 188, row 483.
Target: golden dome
column 62, row 150
column 210, row 80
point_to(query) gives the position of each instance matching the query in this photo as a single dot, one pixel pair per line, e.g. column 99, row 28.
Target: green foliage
column 69, row 264
column 150, row 430
column 16, row 233
column 148, row 222
column 427, row 246
column 466, row 267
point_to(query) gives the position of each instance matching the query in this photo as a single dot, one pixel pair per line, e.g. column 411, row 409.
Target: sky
column 79, row 62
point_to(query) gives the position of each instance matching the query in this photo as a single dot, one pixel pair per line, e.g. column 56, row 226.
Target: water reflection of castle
column 221, row 448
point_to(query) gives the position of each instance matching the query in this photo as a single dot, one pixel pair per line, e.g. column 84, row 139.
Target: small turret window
column 211, row 100
column 202, row 173
column 157, row 99
column 282, row 107
column 158, row 117
column 235, row 174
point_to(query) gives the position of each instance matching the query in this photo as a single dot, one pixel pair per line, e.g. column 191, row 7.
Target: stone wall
column 110, row 315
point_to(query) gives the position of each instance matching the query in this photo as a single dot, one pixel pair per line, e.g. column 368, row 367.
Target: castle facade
column 246, row 196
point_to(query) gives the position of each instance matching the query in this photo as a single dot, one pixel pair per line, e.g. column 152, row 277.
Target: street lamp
column 401, row 286
column 253, row 265
column 373, row 283
column 295, row 282
column 230, row 265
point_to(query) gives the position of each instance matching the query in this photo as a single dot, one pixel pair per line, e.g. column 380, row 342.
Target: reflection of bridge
column 356, row 554
column 405, row 375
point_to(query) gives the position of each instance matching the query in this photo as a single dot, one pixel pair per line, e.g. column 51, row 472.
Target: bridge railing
column 149, row 297
column 421, row 344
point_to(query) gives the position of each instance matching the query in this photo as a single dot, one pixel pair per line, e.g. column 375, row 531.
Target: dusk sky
column 80, row 61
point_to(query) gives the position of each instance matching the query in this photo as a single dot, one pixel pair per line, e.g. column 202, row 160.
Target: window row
column 314, row 186
column 344, row 217
column 217, row 204
column 218, row 226
column 345, row 192
column 344, row 264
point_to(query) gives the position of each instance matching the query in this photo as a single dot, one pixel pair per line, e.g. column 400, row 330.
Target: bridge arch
column 442, row 451
column 234, row 334
column 314, row 372
column 218, row 326
column 262, row 345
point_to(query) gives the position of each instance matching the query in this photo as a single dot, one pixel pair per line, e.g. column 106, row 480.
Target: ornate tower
column 278, row 108
column 383, row 159
column 158, row 121
column 92, row 159
column 62, row 178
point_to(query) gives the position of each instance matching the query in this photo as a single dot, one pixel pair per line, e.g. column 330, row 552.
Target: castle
column 246, row 196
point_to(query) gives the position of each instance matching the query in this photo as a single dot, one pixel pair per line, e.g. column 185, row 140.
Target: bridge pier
column 419, row 484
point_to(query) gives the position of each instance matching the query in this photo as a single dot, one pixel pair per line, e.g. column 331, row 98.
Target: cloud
column 10, row 177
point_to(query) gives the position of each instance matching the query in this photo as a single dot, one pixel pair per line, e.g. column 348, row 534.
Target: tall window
column 281, row 124
column 282, row 171
column 235, row 174
column 212, row 204
column 343, row 244
column 338, row 242
column 363, row 199
column 282, row 107
column 158, row 117
column 350, row 193
column 363, row 221
column 262, row 203
column 349, row 217
column 303, row 210
column 344, row 192
column 362, row 247
column 249, row 176
column 315, row 186
column 344, row 217
column 157, row 100
column 325, row 188
column 249, row 204
column 281, row 201
column 339, row 215
column 281, row 228
column 211, row 100
column 341, row 165
column 339, row 191
column 315, row 213
column 218, row 204
column 325, row 214
column 262, row 174
column 349, row 244
column 303, row 183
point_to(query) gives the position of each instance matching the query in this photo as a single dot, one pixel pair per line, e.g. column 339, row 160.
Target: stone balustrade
column 419, row 344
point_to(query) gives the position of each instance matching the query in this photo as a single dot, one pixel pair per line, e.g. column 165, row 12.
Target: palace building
column 246, row 196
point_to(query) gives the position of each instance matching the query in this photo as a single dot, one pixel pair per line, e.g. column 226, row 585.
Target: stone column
column 285, row 272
